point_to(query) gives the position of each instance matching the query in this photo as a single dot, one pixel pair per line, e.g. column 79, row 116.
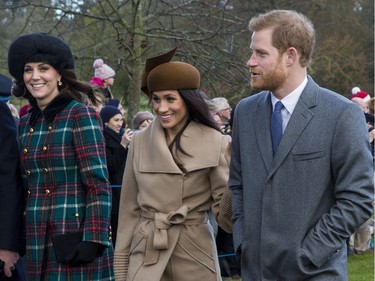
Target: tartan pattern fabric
column 65, row 174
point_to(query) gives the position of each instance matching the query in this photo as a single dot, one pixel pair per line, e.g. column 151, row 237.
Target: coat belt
column 163, row 221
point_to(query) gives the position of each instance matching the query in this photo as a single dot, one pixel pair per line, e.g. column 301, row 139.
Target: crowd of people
column 280, row 184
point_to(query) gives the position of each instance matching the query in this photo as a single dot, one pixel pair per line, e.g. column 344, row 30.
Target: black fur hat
column 38, row 47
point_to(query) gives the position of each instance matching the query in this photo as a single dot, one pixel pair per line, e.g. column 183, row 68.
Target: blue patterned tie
column 276, row 126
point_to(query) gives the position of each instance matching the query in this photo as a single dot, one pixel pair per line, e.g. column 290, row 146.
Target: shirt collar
column 290, row 100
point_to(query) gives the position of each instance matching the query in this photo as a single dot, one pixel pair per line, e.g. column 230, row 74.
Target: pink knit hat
column 102, row 70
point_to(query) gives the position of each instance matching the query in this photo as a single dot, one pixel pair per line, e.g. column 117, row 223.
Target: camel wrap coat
column 163, row 231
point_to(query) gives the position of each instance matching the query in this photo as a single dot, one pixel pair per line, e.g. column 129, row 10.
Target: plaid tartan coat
column 64, row 171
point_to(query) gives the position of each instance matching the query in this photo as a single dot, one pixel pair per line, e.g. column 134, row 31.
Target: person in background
column 117, row 103
column 141, row 120
column 176, row 172
column 361, row 103
column 100, row 97
column 229, row 265
column 300, row 189
column 361, row 98
column 370, row 123
column 216, row 117
column 6, row 94
column 104, row 76
column 116, row 147
column 23, row 110
column 63, row 165
column 359, row 242
column 223, row 110
column 371, row 104
column 358, row 93
column 11, row 200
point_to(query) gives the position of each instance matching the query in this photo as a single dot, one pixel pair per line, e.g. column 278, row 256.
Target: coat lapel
column 201, row 142
column 300, row 118
column 154, row 153
column 263, row 129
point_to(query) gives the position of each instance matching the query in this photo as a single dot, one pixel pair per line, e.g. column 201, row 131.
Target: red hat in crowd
column 24, row 110
column 358, row 93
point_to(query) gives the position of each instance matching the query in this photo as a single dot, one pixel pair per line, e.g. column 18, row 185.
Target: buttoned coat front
column 163, row 231
column 292, row 213
column 64, row 171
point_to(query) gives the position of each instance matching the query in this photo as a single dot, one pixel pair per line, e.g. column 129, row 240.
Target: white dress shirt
column 289, row 102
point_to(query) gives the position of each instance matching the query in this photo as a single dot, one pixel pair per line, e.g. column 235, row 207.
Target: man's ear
column 292, row 56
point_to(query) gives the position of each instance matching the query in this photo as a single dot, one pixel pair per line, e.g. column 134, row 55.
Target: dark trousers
column 114, row 224
column 229, row 265
column 19, row 274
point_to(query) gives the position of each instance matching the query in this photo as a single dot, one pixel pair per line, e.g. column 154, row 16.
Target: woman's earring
column 59, row 83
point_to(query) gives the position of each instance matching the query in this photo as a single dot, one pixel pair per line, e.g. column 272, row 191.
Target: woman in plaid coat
column 63, row 164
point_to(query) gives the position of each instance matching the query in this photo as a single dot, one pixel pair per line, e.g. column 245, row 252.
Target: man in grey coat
column 295, row 205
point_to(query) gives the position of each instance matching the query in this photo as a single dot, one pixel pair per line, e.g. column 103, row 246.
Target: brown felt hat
column 163, row 74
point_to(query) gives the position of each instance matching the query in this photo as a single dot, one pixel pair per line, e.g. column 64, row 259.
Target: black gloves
column 84, row 253
column 2, row 274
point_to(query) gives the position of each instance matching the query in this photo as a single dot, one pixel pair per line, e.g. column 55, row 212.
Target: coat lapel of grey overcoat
column 300, row 118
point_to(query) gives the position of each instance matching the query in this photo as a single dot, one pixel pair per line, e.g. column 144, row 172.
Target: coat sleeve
column 89, row 148
column 221, row 194
column 129, row 216
column 352, row 172
column 235, row 185
column 11, row 192
column 115, row 158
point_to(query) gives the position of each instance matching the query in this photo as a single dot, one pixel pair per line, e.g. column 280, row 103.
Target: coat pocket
column 200, row 255
column 309, row 155
column 137, row 238
column 137, row 253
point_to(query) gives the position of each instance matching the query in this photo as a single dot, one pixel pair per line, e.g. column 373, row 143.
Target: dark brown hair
column 198, row 111
column 72, row 87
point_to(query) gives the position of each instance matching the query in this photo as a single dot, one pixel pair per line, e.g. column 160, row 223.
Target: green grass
column 361, row 267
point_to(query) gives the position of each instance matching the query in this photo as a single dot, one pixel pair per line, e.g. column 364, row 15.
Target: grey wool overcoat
column 163, row 231
column 292, row 213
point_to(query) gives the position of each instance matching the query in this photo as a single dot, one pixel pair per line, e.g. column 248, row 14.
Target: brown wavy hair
column 289, row 29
